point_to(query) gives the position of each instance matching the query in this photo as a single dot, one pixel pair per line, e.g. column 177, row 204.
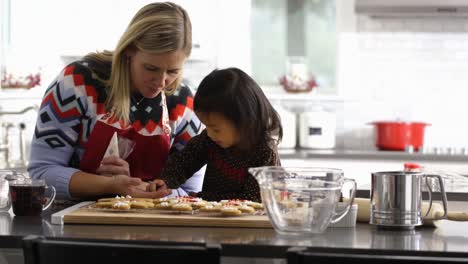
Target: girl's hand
column 113, row 165
column 135, row 187
column 158, row 185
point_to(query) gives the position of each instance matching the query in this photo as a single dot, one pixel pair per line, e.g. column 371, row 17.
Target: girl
column 242, row 131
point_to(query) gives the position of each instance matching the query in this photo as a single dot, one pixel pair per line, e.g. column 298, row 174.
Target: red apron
column 149, row 154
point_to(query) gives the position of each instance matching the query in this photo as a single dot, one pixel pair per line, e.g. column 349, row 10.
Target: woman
column 134, row 92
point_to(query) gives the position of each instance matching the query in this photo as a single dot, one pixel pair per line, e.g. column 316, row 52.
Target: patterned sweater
column 226, row 175
column 70, row 108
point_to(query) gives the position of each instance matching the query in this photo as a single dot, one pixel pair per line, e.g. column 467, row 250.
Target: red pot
column 399, row 135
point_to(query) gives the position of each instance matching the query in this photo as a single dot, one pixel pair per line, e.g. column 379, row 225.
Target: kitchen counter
column 243, row 242
column 359, row 165
column 457, row 194
column 369, row 155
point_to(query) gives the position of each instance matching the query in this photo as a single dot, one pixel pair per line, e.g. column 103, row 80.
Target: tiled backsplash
column 408, row 69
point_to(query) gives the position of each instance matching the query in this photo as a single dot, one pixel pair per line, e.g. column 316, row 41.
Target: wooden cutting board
column 78, row 215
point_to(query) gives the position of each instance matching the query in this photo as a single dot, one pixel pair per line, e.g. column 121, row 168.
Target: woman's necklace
column 139, row 101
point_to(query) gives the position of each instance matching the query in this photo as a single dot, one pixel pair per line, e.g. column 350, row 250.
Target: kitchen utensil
column 317, row 128
column 399, row 135
column 302, row 200
column 396, row 199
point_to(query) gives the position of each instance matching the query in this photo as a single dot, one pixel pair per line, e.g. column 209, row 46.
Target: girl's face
column 152, row 73
column 221, row 130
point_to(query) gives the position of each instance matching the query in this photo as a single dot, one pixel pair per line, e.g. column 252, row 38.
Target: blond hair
column 156, row 28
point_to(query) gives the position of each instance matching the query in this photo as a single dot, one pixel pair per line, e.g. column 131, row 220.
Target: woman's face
column 221, row 130
column 152, row 73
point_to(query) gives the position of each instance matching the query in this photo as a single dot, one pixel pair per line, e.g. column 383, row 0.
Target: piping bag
column 113, row 148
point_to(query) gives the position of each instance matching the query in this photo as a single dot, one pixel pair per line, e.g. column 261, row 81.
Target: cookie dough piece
column 150, row 204
column 139, row 205
column 230, row 211
column 181, row 207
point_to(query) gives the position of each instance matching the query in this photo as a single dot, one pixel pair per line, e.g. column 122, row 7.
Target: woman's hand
column 135, row 187
column 113, row 165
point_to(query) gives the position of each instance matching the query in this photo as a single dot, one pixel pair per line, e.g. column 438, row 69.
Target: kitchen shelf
column 277, row 93
column 453, row 194
column 22, row 94
column 368, row 155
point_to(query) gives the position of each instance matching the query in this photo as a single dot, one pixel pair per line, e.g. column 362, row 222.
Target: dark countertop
column 242, row 242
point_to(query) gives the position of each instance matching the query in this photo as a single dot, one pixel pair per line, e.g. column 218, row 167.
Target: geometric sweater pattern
column 73, row 103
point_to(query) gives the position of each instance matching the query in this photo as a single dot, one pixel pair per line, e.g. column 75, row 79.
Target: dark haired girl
column 242, row 131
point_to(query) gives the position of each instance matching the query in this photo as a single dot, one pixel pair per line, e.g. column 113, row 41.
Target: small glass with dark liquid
column 28, row 197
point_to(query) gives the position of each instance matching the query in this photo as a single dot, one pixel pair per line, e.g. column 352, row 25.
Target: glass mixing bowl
column 302, row 200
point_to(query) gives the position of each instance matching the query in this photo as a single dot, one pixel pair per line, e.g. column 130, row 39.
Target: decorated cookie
column 255, row 205
column 121, row 205
column 160, row 200
column 246, row 209
column 199, row 204
column 163, row 206
column 210, row 208
column 181, row 207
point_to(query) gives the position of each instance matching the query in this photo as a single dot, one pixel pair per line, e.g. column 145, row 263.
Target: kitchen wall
column 400, row 68
column 386, row 69
column 403, row 68
column 45, row 36
column 49, row 33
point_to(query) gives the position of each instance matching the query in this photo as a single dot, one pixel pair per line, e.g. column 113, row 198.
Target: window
column 282, row 28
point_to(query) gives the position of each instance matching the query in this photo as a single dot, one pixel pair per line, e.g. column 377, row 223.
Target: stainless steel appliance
column 396, row 198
